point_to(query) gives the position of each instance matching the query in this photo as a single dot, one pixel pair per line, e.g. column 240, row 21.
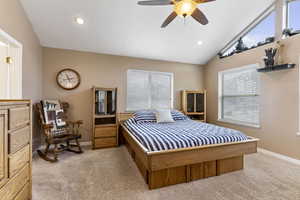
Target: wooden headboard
column 124, row 116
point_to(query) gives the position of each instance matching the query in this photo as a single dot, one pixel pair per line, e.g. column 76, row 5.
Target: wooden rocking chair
column 59, row 132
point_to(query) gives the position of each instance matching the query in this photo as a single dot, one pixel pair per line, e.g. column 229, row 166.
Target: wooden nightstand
column 105, row 128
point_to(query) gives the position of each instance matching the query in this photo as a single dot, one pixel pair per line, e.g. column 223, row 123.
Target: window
column 293, row 16
column 239, row 96
column 265, row 29
column 262, row 33
column 149, row 90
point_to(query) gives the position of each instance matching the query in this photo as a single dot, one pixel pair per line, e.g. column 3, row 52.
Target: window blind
column 149, row 90
column 239, row 95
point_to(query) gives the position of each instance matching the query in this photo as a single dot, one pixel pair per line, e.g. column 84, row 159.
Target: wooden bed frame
column 170, row 167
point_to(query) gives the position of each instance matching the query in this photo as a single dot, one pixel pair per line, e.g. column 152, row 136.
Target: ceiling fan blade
column 203, row 1
column 200, row 17
column 169, row 19
column 156, row 3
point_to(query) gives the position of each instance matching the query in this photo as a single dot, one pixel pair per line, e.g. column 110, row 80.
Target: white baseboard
column 279, row 156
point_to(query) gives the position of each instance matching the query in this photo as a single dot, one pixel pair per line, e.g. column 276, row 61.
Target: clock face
column 68, row 79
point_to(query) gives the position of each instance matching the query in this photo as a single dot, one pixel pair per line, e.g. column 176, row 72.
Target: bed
column 183, row 151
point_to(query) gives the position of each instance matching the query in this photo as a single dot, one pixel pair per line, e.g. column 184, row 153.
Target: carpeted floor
column 110, row 174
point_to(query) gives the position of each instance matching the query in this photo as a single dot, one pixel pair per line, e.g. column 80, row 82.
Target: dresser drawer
column 110, row 131
column 24, row 194
column 15, row 185
column 18, row 160
column 18, row 139
column 19, row 117
column 105, row 142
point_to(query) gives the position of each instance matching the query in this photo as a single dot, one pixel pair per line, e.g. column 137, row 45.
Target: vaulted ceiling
column 121, row 27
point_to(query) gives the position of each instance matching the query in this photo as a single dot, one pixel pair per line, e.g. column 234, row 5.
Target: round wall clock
column 68, row 79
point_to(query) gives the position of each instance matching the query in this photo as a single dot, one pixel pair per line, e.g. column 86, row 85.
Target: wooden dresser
column 15, row 150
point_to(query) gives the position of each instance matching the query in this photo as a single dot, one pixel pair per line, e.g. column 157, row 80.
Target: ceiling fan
column 182, row 8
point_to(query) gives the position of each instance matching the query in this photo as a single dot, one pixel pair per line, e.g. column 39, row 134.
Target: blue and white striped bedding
column 143, row 116
column 180, row 134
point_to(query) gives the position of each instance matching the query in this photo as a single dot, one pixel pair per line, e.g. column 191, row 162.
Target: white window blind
column 149, row 90
column 239, row 96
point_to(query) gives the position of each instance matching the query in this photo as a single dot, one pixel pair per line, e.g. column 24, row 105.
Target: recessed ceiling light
column 79, row 20
column 199, row 42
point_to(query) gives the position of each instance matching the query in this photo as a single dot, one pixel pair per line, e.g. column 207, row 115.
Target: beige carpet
column 110, row 174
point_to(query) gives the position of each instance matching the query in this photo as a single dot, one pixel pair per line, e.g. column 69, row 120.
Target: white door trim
column 14, row 82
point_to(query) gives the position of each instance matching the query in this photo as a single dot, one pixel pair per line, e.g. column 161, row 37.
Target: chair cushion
column 54, row 115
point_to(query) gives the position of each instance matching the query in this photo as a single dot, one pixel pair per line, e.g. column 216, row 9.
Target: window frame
column 287, row 14
column 220, row 97
column 150, row 79
column 249, row 28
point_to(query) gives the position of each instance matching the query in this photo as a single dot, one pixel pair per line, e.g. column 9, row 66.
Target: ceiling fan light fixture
column 185, row 7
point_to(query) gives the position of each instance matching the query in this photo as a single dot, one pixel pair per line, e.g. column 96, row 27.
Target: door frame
column 18, row 71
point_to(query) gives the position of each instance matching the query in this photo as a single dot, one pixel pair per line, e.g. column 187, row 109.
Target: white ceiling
column 121, row 27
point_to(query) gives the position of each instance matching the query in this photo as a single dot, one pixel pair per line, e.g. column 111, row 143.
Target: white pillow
column 164, row 116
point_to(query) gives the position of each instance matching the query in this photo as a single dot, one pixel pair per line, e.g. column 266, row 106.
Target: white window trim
column 220, row 95
column 286, row 13
column 153, row 72
column 251, row 26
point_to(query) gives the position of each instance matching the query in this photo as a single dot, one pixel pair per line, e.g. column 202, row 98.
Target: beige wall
column 279, row 98
column 14, row 21
column 106, row 71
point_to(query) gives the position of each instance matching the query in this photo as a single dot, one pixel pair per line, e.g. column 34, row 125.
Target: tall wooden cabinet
column 194, row 104
column 105, row 127
column 15, row 150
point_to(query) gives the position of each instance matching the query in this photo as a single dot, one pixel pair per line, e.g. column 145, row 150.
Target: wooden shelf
column 194, row 113
column 200, row 120
column 104, row 125
column 277, row 68
column 194, row 92
column 105, row 116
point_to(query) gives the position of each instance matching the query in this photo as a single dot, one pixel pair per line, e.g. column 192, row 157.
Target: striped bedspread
column 180, row 134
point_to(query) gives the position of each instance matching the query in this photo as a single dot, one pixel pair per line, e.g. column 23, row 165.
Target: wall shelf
column 277, row 68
